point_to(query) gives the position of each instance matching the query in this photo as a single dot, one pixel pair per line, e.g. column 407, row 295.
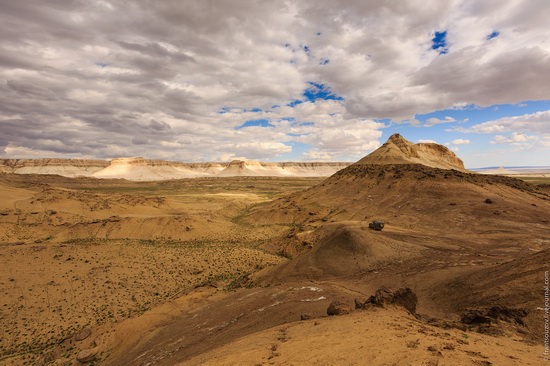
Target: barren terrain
column 79, row 253
column 242, row 270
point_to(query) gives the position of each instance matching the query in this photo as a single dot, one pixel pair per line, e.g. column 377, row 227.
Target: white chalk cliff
column 140, row 169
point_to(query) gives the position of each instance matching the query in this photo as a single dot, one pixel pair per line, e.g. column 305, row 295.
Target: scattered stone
column 494, row 314
column 338, row 308
column 449, row 347
column 305, row 317
column 488, row 200
column 359, row 303
column 404, row 297
column 435, row 350
column 83, row 334
column 87, row 355
column 376, row 225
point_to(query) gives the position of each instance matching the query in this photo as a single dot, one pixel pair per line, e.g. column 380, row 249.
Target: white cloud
column 538, row 122
column 516, row 138
column 78, row 78
column 436, row 121
column 461, row 142
column 426, row 141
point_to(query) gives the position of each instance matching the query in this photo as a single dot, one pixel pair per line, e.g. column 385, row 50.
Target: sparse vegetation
column 87, row 259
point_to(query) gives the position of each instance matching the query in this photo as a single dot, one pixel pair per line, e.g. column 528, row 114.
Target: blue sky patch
column 255, row 123
column 495, row 34
column 295, row 102
column 298, row 149
column 101, row 64
column 320, row 91
column 224, row 110
column 439, row 42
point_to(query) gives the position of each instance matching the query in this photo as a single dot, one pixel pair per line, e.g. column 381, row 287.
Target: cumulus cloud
column 422, row 141
column 115, row 78
column 436, row 121
column 538, row 122
column 461, row 142
column 515, row 138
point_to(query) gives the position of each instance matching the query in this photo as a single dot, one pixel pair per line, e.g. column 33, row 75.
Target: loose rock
column 87, row 355
column 338, row 308
column 83, row 334
column 376, row 225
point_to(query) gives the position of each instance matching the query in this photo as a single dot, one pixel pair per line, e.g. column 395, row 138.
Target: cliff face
column 63, row 167
column 398, row 150
column 140, row 169
column 290, row 169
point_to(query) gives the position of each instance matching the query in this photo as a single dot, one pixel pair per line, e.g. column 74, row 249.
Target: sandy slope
column 380, row 337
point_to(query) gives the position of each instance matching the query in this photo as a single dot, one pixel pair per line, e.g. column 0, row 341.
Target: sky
column 270, row 80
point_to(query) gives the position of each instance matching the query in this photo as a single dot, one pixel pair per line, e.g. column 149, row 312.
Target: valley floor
column 241, row 271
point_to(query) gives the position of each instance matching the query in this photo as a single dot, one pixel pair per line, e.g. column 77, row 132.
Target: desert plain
column 276, row 270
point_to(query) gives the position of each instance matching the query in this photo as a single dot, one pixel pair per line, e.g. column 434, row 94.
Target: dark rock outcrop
column 494, row 314
column 376, row 225
column 338, row 308
column 404, row 297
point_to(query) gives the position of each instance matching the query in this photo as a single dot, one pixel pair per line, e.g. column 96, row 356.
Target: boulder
column 83, row 334
column 494, row 314
column 376, row 225
column 404, row 297
column 87, row 355
column 338, row 308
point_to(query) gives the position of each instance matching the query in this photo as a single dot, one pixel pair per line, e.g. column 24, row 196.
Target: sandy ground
column 77, row 254
column 381, row 337
column 221, row 271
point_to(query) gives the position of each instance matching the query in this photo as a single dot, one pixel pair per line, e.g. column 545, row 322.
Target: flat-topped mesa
column 138, row 168
column 398, row 150
column 281, row 169
column 136, row 161
column 63, row 167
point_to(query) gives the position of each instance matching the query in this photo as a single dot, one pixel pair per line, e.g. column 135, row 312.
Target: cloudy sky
column 315, row 80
